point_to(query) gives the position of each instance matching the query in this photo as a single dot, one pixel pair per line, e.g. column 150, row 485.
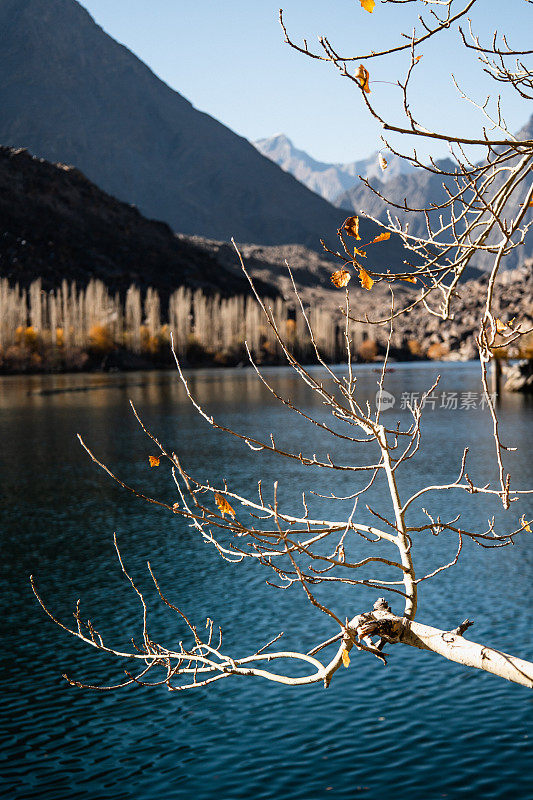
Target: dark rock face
column 56, row 224
column 519, row 377
column 70, row 93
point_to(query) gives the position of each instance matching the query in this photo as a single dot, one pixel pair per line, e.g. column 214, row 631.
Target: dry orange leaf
column 409, row 279
column 223, row 505
column 502, row 327
column 346, row 658
column 381, row 238
column 526, row 525
column 368, row 5
column 176, row 507
column 417, row 59
column 351, row 226
column 362, row 77
column 154, row 460
column 382, row 162
column 340, row 278
column 366, row 280
column 360, row 253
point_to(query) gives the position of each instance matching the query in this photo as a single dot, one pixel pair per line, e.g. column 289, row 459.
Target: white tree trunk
column 470, row 654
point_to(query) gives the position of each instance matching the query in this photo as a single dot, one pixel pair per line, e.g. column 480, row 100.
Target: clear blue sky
column 228, row 58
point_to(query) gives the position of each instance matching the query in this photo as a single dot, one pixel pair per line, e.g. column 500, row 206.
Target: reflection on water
column 420, row 728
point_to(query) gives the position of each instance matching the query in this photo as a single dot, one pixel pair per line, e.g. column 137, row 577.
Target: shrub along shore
column 82, row 328
column 73, row 328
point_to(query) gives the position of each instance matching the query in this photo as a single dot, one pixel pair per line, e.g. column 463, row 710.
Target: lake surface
column 417, row 729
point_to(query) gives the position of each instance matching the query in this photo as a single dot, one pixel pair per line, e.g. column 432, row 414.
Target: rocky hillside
column 455, row 338
column 72, row 94
column 55, row 224
column 417, row 333
column 328, row 180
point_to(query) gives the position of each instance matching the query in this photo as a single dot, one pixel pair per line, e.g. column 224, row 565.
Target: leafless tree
column 299, row 549
column 302, row 550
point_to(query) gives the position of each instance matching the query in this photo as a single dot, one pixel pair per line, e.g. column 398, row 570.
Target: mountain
column 56, row 224
column 71, row 93
column 328, row 180
column 423, row 189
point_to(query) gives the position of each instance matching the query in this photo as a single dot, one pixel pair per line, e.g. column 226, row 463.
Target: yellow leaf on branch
column 346, row 658
column 340, row 278
column 502, row 327
column 525, row 524
column 409, row 279
column 382, row 162
column 362, row 77
column 381, row 238
column 368, row 5
column 154, row 461
column 351, row 226
column 366, row 280
column 223, row 505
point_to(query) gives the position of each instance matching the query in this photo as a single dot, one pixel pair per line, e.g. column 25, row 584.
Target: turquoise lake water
column 419, row 728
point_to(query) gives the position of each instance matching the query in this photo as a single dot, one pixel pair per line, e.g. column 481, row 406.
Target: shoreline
column 213, row 364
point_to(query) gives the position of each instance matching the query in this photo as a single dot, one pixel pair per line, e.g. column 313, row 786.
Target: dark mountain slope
column 70, row 93
column 56, row 224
